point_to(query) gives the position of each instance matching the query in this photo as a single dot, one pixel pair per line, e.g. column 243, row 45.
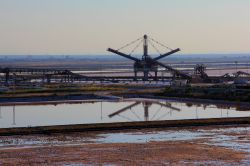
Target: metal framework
column 200, row 70
column 16, row 75
column 148, row 64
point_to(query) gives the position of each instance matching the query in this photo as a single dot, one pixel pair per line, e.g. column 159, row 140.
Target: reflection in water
column 101, row 110
column 239, row 107
column 146, row 105
column 108, row 112
column 14, row 115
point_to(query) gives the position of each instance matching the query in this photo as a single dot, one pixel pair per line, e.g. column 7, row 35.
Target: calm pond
column 108, row 112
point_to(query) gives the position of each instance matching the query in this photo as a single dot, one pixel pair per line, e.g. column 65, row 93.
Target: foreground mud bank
column 122, row 126
column 210, row 145
column 156, row 153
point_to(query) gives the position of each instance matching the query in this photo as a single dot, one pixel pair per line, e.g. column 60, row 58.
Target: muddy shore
column 155, row 153
column 195, row 146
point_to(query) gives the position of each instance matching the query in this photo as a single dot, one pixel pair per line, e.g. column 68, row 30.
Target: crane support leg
column 135, row 75
column 156, row 76
column 7, row 76
column 145, row 77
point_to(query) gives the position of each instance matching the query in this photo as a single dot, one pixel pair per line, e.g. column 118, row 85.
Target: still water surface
column 108, row 112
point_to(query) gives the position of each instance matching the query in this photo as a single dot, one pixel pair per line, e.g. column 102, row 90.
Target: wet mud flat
column 211, row 145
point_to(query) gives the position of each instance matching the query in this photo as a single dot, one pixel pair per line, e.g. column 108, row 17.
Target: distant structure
column 19, row 75
column 200, row 70
column 148, row 64
column 200, row 75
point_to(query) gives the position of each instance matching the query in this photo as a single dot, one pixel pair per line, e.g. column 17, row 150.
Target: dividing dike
column 122, row 126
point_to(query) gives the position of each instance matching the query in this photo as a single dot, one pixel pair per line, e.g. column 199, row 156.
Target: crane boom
column 167, row 105
column 124, row 109
column 166, row 54
column 184, row 75
column 123, row 55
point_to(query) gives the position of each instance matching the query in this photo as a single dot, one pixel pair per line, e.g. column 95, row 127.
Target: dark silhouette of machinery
column 146, row 105
column 200, row 70
column 148, row 64
column 241, row 74
column 200, row 75
column 17, row 75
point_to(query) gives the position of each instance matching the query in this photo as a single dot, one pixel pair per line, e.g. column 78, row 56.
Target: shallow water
column 139, row 137
column 221, row 137
column 108, row 112
column 224, row 137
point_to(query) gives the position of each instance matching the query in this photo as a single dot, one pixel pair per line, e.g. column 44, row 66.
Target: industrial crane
column 148, row 64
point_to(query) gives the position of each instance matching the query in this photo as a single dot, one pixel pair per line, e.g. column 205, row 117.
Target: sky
column 91, row 26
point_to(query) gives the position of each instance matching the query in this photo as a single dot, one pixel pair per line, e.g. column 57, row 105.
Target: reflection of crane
column 146, row 105
column 148, row 64
column 14, row 115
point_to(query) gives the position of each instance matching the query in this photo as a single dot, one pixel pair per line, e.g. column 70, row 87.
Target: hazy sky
column 90, row 26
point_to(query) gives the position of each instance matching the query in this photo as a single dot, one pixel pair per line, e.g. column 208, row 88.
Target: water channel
column 110, row 111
